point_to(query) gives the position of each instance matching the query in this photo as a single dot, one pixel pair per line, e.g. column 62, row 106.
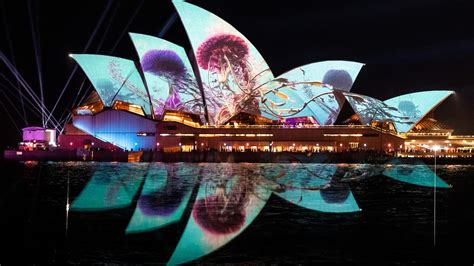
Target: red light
column 70, row 143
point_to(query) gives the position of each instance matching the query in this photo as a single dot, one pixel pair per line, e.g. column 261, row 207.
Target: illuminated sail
column 231, row 69
column 169, row 75
column 114, row 79
column 310, row 90
column 370, row 109
column 414, row 106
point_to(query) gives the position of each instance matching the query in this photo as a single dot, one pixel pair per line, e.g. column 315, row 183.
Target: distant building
column 35, row 138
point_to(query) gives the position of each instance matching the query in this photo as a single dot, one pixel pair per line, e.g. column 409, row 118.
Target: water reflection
column 112, row 186
column 164, row 197
column 227, row 202
column 229, row 196
column 415, row 174
column 316, row 187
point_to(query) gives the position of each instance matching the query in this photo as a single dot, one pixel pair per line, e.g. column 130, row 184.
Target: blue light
column 114, row 79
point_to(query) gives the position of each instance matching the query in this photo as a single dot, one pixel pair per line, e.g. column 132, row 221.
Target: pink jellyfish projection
column 225, row 57
column 183, row 94
column 223, row 212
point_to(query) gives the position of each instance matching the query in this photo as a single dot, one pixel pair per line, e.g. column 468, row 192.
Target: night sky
column 407, row 46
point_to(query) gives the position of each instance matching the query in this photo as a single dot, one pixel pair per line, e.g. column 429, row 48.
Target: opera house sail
column 223, row 96
column 231, row 69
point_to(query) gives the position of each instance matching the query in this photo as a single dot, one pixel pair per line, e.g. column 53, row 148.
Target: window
column 354, row 145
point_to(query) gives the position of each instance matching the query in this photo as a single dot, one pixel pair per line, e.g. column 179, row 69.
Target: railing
column 300, row 126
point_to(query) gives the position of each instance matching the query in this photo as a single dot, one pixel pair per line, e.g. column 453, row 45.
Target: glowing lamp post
column 435, row 149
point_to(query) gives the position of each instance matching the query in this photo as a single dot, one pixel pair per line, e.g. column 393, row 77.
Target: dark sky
column 407, row 45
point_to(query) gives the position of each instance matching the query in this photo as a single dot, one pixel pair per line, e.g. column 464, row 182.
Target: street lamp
column 435, row 149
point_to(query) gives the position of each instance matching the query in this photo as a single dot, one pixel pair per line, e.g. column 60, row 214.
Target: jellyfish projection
column 224, row 207
column 336, row 192
column 167, row 65
column 231, row 69
column 313, row 90
column 339, row 79
column 164, row 197
column 165, row 200
column 222, row 212
column 225, row 58
column 415, row 106
column 409, row 109
column 316, row 187
column 230, row 196
column 168, row 75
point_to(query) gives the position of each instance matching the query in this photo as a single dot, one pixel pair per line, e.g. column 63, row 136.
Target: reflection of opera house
column 224, row 97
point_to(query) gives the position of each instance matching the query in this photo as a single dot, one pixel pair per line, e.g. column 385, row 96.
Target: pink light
column 157, row 144
column 70, row 143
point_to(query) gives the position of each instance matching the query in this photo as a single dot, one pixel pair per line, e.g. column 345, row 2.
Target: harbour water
column 90, row 212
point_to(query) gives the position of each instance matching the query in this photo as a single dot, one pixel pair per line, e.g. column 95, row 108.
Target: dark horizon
column 406, row 46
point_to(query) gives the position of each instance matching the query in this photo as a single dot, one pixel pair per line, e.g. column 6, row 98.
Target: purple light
column 163, row 63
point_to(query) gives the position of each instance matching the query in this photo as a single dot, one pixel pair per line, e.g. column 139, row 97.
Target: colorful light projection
column 114, row 79
column 111, row 187
column 415, row 174
column 164, row 197
column 414, row 106
column 224, row 207
column 169, row 75
column 123, row 133
column 310, row 90
column 369, row 109
column 314, row 187
column 231, row 69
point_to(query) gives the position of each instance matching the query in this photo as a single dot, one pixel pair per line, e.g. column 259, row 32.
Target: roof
column 236, row 79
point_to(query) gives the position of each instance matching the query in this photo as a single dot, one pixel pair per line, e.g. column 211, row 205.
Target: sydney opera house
column 223, row 96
